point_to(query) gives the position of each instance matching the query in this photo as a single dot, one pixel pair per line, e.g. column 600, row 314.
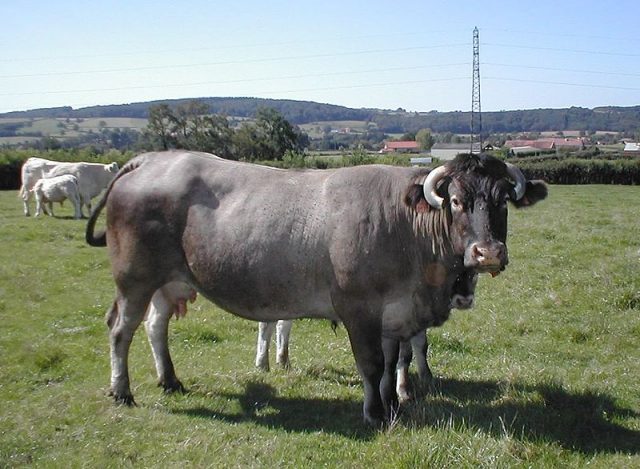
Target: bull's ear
column 534, row 192
column 415, row 199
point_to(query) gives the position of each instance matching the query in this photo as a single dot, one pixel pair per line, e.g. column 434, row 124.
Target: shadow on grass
column 260, row 404
column 583, row 422
column 579, row 421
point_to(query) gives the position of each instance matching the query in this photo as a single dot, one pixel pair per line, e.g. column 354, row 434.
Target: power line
column 583, row 85
column 556, row 49
column 235, row 62
column 333, row 38
column 555, row 69
column 243, row 80
column 556, row 34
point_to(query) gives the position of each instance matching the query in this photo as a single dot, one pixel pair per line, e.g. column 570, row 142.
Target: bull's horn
column 429, row 187
column 517, row 176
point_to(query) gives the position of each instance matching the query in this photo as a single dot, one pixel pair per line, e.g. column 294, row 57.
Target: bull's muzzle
column 487, row 257
column 459, row 301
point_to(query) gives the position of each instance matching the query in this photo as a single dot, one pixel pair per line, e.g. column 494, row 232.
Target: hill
column 601, row 119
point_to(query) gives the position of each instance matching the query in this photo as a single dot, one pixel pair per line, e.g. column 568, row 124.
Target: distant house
column 448, row 151
column 631, row 149
column 555, row 143
column 525, row 150
column 569, row 143
column 401, row 146
column 540, row 144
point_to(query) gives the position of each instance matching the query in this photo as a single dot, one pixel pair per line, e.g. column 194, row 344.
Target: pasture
column 543, row 372
column 31, row 129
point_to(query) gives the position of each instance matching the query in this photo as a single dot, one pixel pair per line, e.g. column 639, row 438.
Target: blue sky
column 416, row 55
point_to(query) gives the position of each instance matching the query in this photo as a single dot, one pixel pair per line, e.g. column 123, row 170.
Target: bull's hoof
column 374, row 423
column 123, row 399
column 172, row 387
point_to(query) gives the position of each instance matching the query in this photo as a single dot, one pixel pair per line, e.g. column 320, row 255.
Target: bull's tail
column 99, row 239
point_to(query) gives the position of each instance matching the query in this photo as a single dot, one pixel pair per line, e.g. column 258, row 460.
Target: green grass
column 64, row 128
column 543, row 372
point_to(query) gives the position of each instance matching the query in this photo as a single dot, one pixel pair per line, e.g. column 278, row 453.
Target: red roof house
column 401, row 146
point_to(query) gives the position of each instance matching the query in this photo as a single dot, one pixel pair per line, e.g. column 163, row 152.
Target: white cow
column 32, row 171
column 462, row 297
column 57, row 189
column 265, row 331
column 92, row 178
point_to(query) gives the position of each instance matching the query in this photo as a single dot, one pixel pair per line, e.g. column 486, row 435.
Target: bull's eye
column 456, row 204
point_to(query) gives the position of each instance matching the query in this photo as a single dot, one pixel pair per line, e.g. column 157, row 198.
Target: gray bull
column 375, row 247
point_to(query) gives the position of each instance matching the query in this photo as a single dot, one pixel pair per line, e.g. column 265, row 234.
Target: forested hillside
column 610, row 119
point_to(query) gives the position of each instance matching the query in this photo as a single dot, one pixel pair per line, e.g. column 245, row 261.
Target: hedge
column 583, row 171
column 552, row 170
column 11, row 161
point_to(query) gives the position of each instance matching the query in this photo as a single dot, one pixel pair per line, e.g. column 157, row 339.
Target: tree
column 269, row 138
column 425, row 139
column 245, row 142
column 213, row 134
column 160, row 125
column 276, row 134
column 187, row 122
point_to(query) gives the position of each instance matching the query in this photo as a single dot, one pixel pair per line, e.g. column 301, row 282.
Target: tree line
column 609, row 119
column 268, row 136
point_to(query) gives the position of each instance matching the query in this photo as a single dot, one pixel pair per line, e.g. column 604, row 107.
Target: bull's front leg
column 388, row 394
column 156, row 325
column 420, row 347
column 366, row 343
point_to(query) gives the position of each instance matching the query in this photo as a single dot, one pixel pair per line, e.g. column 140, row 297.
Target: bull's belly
column 249, row 305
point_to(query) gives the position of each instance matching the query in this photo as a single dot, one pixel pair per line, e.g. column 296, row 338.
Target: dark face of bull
column 476, row 189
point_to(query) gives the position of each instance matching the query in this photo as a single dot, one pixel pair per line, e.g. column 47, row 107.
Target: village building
column 448, row 151
column 401, row 146
column 631, row 149
column 545, row 144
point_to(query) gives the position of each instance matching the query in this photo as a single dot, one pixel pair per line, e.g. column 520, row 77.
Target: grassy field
column 543, row 372
column 64, row 128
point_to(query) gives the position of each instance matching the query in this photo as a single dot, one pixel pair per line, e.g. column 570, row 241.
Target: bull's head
column 476, row 189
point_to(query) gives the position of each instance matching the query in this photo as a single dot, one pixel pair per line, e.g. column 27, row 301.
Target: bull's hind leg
column 123, row 319
column 157, row 326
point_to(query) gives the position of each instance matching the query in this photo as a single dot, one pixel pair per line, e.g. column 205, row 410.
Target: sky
column 415, row 55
